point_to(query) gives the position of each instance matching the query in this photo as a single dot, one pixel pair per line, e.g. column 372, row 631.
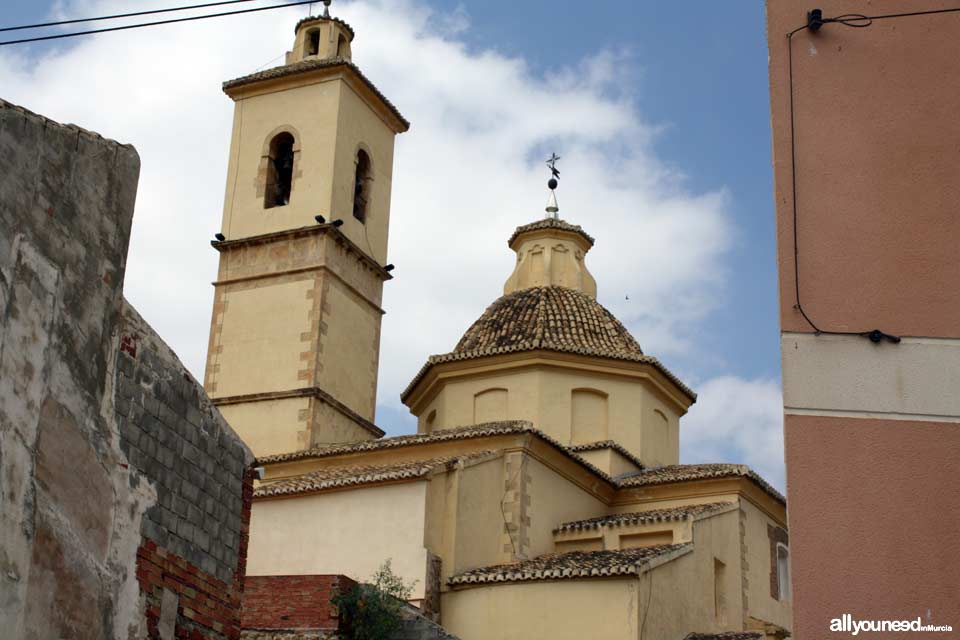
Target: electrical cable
column 151, row 24
column 41, row 25
column 814, row 22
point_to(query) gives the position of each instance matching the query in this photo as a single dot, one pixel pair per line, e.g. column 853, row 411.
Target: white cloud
column 466, row 174
column 736, row 420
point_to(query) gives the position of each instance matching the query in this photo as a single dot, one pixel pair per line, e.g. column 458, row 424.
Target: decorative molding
column 304, row 392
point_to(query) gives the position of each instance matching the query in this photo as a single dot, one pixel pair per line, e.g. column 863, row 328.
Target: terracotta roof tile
column 549, row 318
column 443, row 435
column 642, row 517
column 685, row 472
column 312, row 64
column 555, row 318
column 342, row 23
column 364, row 474
column 656, row 475
column 607, row 444
column 550, row 223
column 572, row 564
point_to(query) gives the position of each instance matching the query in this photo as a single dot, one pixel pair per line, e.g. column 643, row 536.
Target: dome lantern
column 551, row 252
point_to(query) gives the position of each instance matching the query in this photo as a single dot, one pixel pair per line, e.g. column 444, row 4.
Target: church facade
column 542, row 495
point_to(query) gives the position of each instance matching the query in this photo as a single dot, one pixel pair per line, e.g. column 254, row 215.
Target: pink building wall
column 872, row 430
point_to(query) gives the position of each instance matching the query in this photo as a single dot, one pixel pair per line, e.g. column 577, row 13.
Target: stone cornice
column 433, row 375
column 317, row 229
column 305, row 392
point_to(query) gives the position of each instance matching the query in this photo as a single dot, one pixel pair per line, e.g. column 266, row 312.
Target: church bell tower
column 295, row 334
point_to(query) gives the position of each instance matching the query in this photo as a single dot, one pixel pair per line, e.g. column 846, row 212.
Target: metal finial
column 552, row 208
column 326, row 8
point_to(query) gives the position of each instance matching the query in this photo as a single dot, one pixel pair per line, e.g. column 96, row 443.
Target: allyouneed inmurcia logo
column 854, row 627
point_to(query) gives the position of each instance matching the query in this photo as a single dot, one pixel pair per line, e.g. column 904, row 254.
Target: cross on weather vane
column 552, row 163
column 552, row 207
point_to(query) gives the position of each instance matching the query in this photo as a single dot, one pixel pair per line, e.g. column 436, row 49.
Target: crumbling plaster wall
column 87, row 394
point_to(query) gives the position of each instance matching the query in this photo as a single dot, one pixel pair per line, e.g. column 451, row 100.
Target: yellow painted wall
column 456, row 405
column 761, row 604
column 350, row 339
column 330, row 122
column 681, row 592
column 604, row 609
column 359, row 127
column 544, row 395
column 478, row 536
column 346, row 532
column 260, row 343
column 553, row 500
column 310, row 114
column 669, row 601
column 549, row 257
column 270, row 426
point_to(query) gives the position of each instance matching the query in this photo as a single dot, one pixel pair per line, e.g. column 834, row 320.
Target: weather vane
column 326, row 8
column 552, row 207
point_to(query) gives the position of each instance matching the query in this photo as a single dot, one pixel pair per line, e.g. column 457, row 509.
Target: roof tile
column 548, row 318
column 364, row 474
column 642, row 517
column 572, row 564
column 607, row 444
column 653, row 476
column 550, row 223
column 684, row 472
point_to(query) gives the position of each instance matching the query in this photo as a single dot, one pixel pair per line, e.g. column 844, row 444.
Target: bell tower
column 295, row 335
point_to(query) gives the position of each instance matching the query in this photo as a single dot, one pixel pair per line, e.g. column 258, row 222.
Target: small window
column 361, row 186
column 783, row 571
column 279, row 171
column 342, row 50
column 313, row 42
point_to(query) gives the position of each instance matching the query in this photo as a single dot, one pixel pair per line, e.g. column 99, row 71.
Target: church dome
column 553, row 318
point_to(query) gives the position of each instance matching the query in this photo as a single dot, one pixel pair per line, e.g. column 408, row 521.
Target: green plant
column 373, row 611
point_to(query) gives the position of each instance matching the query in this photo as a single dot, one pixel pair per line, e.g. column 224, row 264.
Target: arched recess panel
column 656, row 443
column 490, row 405
column 588, row 416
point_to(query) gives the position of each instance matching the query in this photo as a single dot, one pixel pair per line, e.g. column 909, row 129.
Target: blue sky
column 690, row 80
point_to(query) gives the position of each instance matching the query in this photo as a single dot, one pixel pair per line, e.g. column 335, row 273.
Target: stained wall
column 125, row 494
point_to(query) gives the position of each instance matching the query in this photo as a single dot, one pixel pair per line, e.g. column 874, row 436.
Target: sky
column 659, row 111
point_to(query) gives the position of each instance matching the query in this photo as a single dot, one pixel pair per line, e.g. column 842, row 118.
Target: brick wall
column 292, row 602
column 172, row 433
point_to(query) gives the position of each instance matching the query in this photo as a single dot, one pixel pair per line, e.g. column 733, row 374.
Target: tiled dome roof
column 548, row 318
column 553, row 318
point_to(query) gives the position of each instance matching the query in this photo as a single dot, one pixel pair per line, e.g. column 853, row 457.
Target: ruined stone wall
column 124, row 496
